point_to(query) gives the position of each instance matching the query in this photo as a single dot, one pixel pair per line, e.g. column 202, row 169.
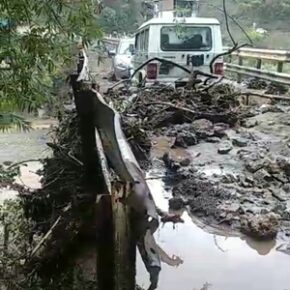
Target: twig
column 236, row 22
column 48, row 234
column 213, row 84
column 227, row 23
column 236, row 47
column 22, row 162
column 217, row 245
column 175, row 106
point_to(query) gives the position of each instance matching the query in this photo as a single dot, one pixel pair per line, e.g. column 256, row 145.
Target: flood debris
column 238, row 169
column 262, row 227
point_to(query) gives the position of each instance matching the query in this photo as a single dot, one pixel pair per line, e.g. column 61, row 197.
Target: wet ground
column 18, row 146
column 222, row 258
column 212, row 261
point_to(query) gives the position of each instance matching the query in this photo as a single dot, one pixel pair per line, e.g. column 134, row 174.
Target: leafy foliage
column 122, row 17
column 37, row 48
column 273, row 9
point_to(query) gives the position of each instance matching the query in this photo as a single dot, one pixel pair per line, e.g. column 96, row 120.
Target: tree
column 271, row 9
column 122, row 16
column 36, row 48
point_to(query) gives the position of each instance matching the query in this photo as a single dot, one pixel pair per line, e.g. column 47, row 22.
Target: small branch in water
column 23, row 162
column 217, row 245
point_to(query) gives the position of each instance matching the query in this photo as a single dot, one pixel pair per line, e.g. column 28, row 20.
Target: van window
column 137, row 42
column 186, row 38
column 146, row 39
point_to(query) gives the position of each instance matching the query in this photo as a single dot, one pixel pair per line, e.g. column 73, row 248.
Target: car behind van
column 189, row 41
column 122, row 60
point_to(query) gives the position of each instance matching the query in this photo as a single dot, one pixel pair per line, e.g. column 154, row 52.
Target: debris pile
column 238, row 172
column 62, row 175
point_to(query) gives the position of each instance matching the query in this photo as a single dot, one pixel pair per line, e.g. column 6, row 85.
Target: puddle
column 27, row 178
column 225, row 263
column 28, row 175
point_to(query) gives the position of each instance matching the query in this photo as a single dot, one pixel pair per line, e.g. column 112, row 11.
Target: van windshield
column 186, row 38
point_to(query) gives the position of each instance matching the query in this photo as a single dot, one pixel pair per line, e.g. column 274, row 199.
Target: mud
column 247, row 187
column 232, row 167
column 213, row 258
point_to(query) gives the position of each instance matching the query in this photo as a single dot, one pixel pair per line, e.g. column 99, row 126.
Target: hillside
column 271, row 15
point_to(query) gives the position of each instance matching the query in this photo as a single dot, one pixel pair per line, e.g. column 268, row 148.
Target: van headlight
column 122, row 65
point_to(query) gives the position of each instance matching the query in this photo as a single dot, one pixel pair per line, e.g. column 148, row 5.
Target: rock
column 240, row 142
column 262, row 175
column 225, row 148
column 261, row 226
column 249, row 123
column 253, row 166
column 185, row 139
column 176, row 203
column 203, row 128
column 179, row 142
column 169, row 162
column 213, row 140
column 265, row 108
column 284, row 163
column 279, row 194
column 185, row 162
column 220, row 129
column 228, row 178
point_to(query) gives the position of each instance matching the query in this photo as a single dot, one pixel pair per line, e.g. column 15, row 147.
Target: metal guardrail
column 277, row 57
column 280, row 78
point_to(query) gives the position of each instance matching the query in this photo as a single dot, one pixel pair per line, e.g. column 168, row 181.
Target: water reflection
column 226, row 263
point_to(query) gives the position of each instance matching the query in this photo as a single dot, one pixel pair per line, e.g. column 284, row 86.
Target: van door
column 192, row 46
column 141, row 47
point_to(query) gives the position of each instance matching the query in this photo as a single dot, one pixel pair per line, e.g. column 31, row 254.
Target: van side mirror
column 111, row 53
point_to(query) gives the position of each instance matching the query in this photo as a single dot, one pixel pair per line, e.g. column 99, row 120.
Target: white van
column 189, row 41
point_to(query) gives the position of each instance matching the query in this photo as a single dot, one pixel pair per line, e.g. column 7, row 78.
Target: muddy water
column 220, row 262
column 17, row 146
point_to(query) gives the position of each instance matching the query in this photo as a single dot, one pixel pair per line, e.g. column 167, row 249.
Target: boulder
column 176, row 203
column 203, row 128
column 239, row 141
column 261, row 226
column 225, row 148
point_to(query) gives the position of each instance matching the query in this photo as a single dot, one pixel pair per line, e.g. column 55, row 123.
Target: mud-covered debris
column 213, row 140
column 176, row 203
column 225, row 148
column 284, row 163
column 138, row 139
column 261, row 227
column 256, row 84
column 169, row 163
column 203, row 128
column 185, row 139
column 185, row 162
column 276, row 89
column 220, row 129
column 239, row 141
column 268, row 108
column 249, row 123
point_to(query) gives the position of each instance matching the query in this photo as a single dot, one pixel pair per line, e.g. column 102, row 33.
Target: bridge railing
column 249, row 63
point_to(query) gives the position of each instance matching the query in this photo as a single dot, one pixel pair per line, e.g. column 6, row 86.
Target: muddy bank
column 234, row 169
